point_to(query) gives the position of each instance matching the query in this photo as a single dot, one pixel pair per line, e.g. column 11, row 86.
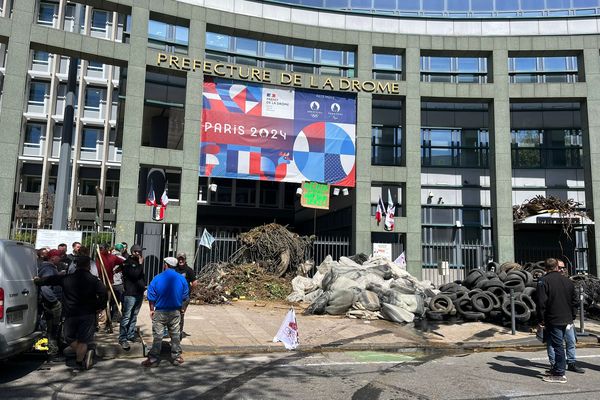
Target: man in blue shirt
column 166, row 295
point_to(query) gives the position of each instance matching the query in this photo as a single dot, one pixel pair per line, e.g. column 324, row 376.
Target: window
column 454, row 69
column 245, row 192
column 269, row 194
column 95, row 66
column 385, row 191
column 37, row 92
column 168, row 37
column 47, row 13
column 387, row 66
column 40, row 57
column 89, row 137
column 34, row 133
column 386, row 145
column 543, row 69
column 547, row 148
column 99, row 20
column 93, row 96
column 445, row 147
column 248, row 51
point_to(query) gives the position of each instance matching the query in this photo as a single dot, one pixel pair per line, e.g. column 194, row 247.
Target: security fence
column 461, row 258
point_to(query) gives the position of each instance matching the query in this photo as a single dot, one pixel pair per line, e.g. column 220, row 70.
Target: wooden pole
column 105, row 275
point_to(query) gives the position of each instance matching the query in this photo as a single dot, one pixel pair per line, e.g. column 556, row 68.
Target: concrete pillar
column 132, row 125
column 500, row 162
column 412, row 152
column 13, row 104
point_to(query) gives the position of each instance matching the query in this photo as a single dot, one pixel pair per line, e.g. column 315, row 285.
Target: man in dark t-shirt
column 190, row 276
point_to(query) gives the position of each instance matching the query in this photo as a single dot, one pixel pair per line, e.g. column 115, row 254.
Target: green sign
column 315, row 195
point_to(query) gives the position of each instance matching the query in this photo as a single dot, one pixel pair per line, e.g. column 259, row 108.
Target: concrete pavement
column 249, row 327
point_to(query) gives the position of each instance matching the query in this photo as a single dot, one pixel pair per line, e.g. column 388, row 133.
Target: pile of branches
column 274, row 248
column 591, row 294
column 540, row 204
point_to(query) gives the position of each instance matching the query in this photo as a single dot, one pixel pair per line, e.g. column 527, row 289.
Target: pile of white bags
column 378, row 288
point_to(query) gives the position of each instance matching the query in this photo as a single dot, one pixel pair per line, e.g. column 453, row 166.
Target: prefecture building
column 451, row 111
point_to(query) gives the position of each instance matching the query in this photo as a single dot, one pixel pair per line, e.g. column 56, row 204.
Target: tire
column 473, row 292
column 491, row 275
column 529, row 291
column 497, row 291
column 528, row 301
column 473, row 277
column 517, row 275
column 480, row 284
column 497, row 301
column 473, row 315
column 516, row 284
column 463, row 305
column 522, row 312
column 510, row 266
column 435, row 315
column 441, row 303
column 451, row 287
column 494, row 265
column 502, row 276
column 482, row 302
column 490, row 283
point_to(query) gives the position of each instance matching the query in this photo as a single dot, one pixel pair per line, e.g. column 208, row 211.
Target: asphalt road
column 347, row 375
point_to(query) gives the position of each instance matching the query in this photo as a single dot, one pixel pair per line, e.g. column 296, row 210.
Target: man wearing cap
column 134, row 281
column 190, row 276
column 51, row 297
column 166, row 295
column 83, row 296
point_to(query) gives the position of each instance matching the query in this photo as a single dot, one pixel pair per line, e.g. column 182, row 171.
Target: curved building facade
column 451, row 112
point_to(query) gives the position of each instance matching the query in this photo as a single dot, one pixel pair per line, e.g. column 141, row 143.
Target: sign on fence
column 315, row 195
column 52, row 238
column 382, row 249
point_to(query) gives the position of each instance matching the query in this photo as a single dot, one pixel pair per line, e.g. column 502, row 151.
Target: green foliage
column 91, row 240
column 25, row 236
column 277, row 290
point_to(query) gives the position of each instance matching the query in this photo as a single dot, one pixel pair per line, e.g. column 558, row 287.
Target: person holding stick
column 107, row 263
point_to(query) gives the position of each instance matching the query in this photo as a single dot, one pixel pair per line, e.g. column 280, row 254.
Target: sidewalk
column 249, row 327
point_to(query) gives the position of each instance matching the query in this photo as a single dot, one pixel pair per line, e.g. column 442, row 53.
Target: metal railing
column 227, row 244
column 89, row 238
column 461, row 258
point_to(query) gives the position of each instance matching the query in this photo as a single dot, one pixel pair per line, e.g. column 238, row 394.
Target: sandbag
column 349, row 262
column 318, row 279
column 364, row 314
column 312, row 296
column 303, row 285
column 384, row 271
column 295, row 297
column 342, row 283
column 340, row 301
column 396, row 314
column 326, row 265
column 367, row 300
column 318, row 305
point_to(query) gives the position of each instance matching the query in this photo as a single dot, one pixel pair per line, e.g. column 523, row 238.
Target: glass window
column 560, row 4
column 89, row 137
column 33, row 133
column 217, row 41
column 525, row 64
column 585, row 3
column 408, row 5
column 482, row 5
column 37, row 92
column 40, row 57
column 275, row 50
column 246, row 46
column 433, row 5
column 332, row 57
column 507, row 5
column 181, row 35
column 99, row 19
column 384, row 5
column 93, row 97
column 385, row 61
column 556, row 63
column 158, row 30
column 269, row 194
column 303, row 54
column 468, row 64
column 440, row 64
column 532, row 4
column 458, row 5
column 46, row 13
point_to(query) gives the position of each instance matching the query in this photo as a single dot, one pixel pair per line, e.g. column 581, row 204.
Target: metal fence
column 226, row 244
column 461, row 258
column 159, row 241
column 89, row 238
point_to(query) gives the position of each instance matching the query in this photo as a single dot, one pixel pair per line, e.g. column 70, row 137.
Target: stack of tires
column 485, row 294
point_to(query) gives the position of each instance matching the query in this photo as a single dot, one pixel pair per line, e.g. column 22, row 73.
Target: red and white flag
column 164, row 199
column 288, row 332
column 389, row 216
column 380, row 213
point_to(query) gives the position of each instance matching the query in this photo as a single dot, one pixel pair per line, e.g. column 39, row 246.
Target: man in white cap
column 166, row 295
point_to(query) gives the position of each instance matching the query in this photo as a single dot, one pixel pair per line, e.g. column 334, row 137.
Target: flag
column 389, row 216
column 164, row 199
column 206, row 239
column 401, row 261
column 288, row 331
column 380, row 210
column 150, row 197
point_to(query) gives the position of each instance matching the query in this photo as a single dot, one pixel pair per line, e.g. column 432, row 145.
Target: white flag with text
column 288, row 331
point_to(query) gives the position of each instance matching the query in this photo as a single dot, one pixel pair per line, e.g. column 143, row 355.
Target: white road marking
column 578, row 357
column 346, row 363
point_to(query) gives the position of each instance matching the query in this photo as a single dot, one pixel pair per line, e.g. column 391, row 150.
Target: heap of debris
column 262, row 268
column 361, row 287
column 540, row 204
column 274, row 247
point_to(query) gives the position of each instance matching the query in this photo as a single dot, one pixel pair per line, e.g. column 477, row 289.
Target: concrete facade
column 498, row 38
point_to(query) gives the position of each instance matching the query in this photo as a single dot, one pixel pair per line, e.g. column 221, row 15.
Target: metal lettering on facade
column 253, row 74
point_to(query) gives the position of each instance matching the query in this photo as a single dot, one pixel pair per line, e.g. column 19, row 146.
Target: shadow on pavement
column 19, row 366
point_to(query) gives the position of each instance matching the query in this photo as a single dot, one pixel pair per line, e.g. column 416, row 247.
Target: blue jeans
column 570, row 340
column 556, row 337
column 131, row 308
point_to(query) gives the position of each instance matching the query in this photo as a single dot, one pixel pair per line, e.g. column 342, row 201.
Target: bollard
column 513, row 322
column 581, row 313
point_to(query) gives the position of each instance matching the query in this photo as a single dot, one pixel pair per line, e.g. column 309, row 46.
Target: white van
column 18, row 298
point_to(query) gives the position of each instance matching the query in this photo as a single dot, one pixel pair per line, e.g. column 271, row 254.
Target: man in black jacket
column 51, row 297
column 83, row 296
column 556, row 308
column 134, row 281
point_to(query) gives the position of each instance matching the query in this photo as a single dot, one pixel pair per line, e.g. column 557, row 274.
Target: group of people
column 557, row 304
column 81, row 290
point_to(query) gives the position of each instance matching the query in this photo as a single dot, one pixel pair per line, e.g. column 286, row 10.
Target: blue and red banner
column 252, row 131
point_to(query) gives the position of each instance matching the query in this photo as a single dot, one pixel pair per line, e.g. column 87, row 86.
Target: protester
column 65, row 261
column 84, row 251
column 75, row 246
column 134, row 281
column 570, row 338
column 83, row 295
column 190, row 276
column 118, row 288
column 51, row 301
column 109, row 261
column 556, row 310
column 166, row 294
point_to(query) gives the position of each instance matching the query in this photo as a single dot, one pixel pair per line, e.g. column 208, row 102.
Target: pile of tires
column 484, row 294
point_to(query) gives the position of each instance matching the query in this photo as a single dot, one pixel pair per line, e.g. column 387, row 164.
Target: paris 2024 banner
column 252, row 131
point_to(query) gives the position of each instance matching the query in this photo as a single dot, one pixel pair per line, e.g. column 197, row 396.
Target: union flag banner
column 253, row 131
